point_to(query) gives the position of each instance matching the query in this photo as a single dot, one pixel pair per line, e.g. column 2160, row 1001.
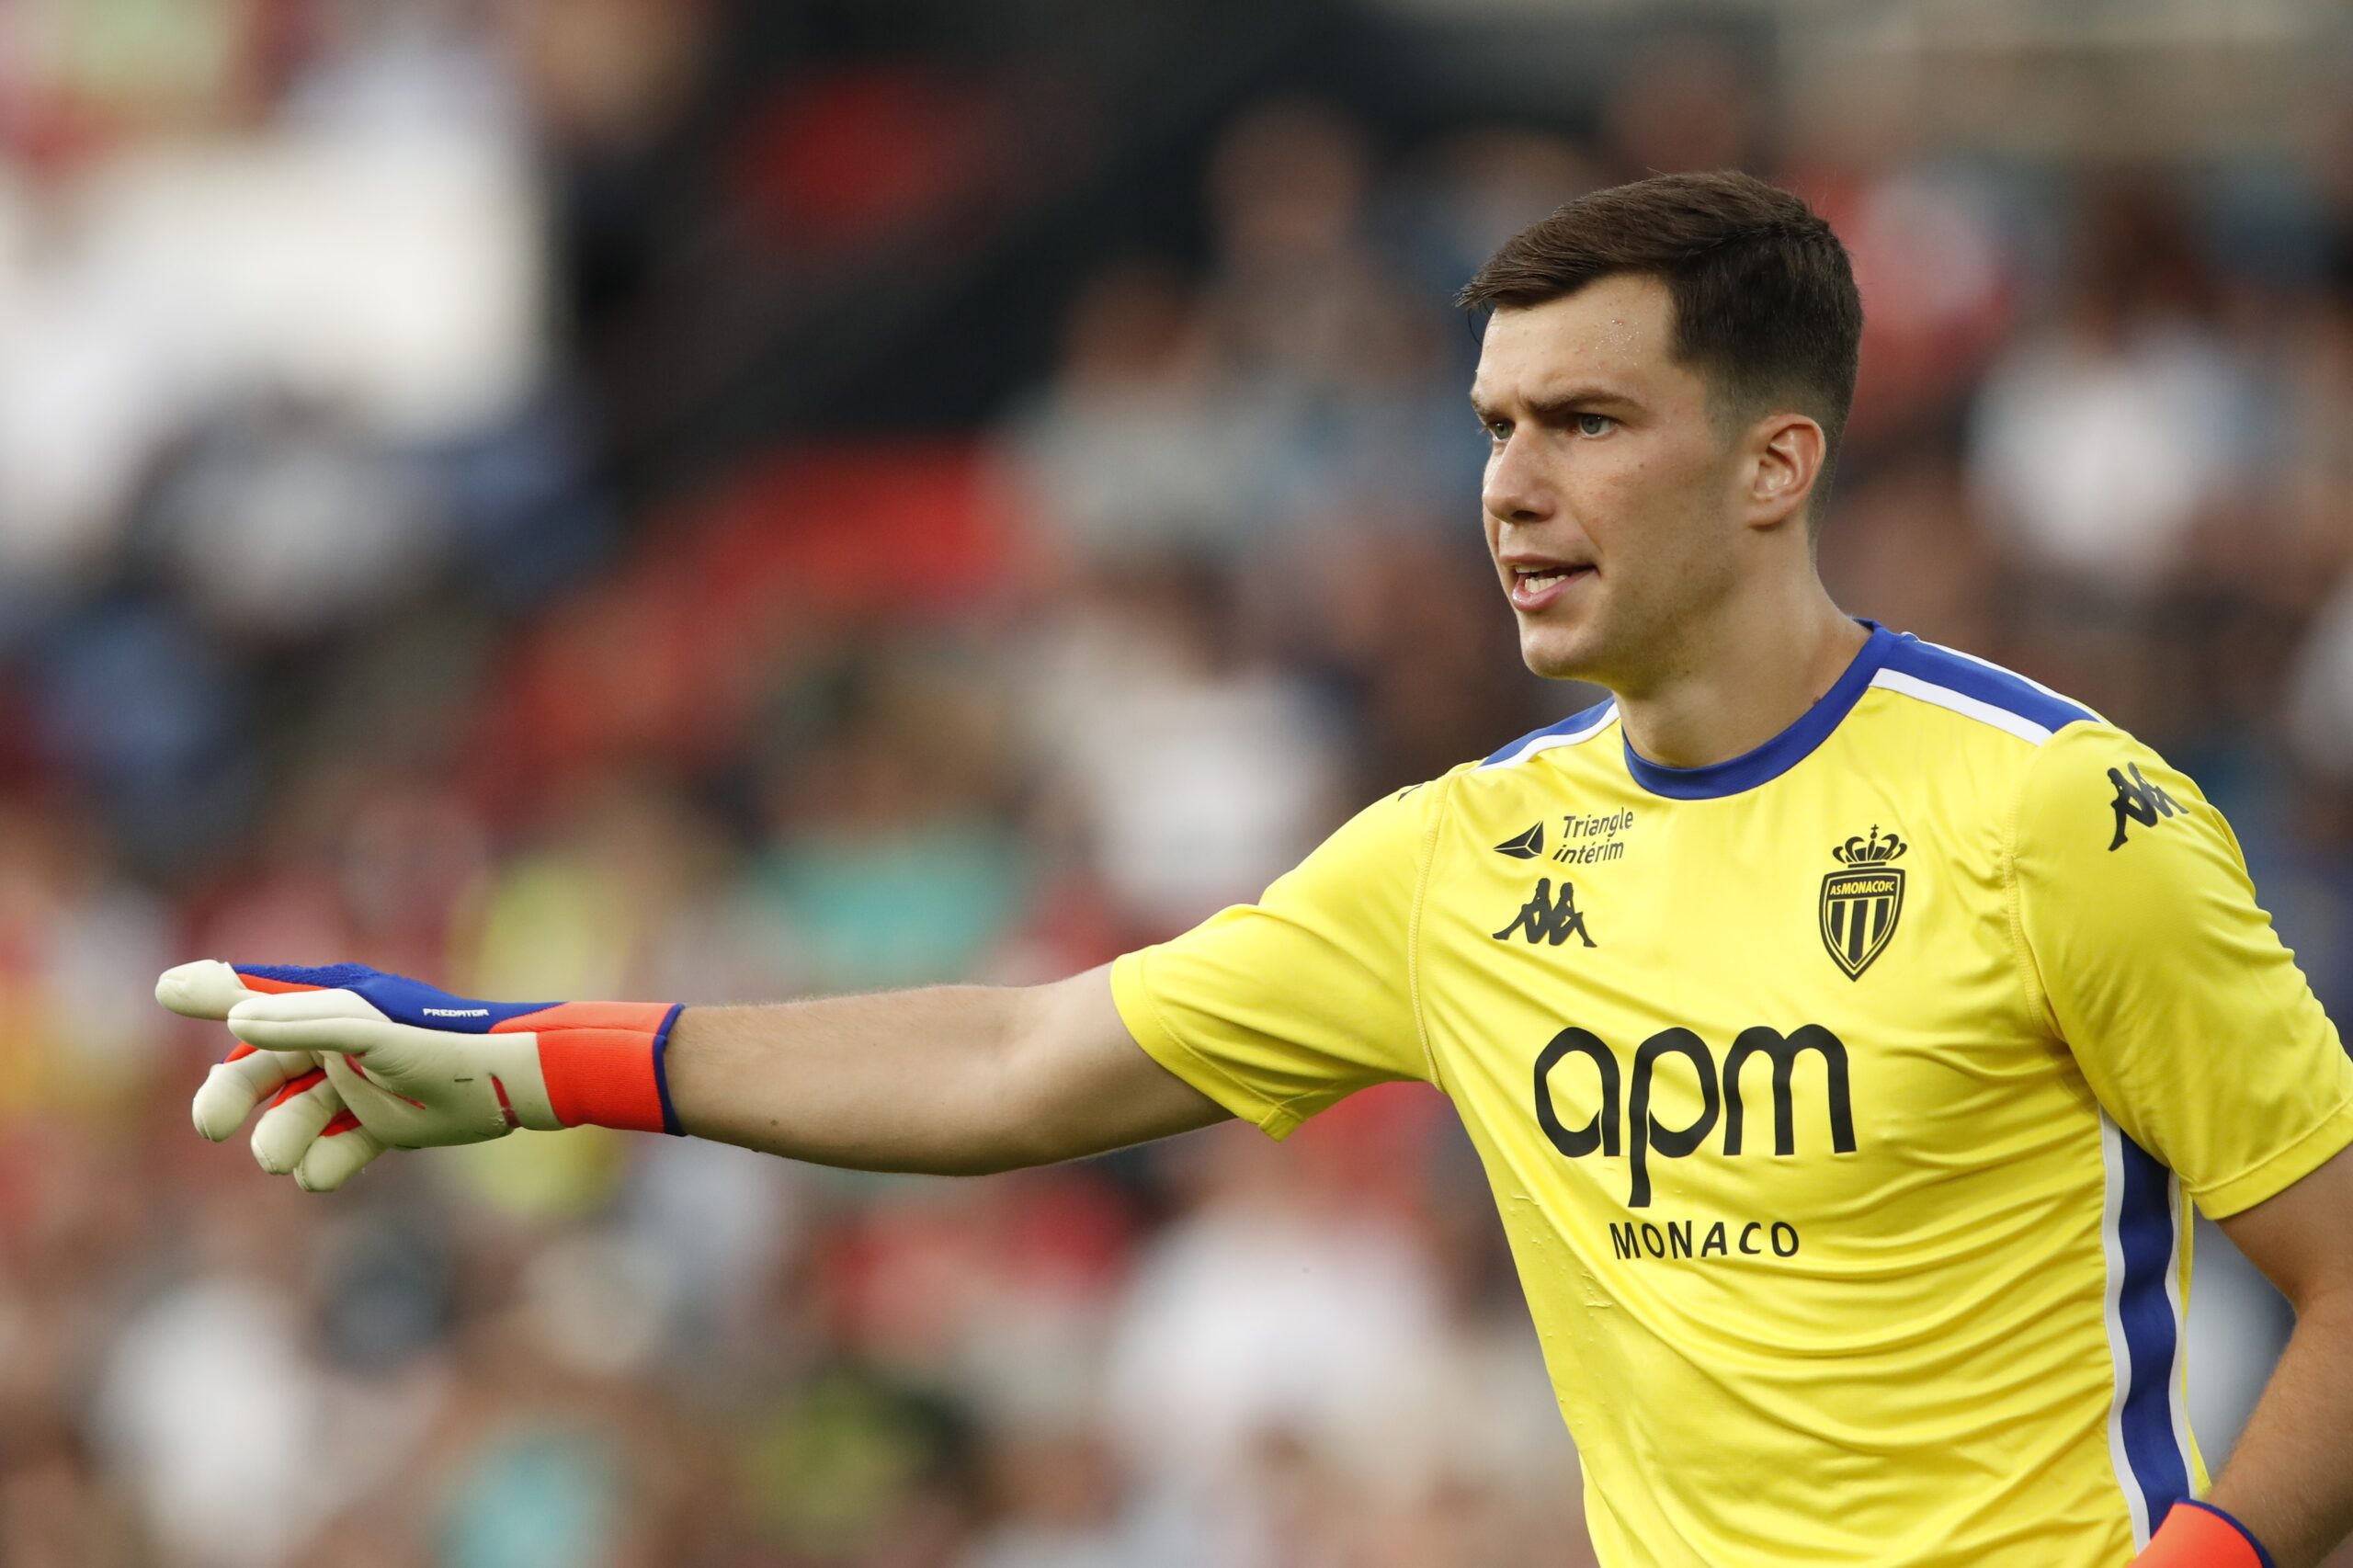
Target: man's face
column 1610, row 494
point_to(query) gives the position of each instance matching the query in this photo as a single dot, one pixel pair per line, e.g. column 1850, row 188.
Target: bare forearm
column 900, row 1081
column 956, row 1080
column 2291, row 1479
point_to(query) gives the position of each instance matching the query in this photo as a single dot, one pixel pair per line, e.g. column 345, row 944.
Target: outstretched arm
column 953, row 1080
column 1282, row 1007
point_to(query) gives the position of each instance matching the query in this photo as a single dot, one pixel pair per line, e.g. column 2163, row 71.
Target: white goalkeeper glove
column 413, row 1066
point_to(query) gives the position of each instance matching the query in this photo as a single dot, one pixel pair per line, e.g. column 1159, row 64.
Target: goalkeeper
column 1847, row 1026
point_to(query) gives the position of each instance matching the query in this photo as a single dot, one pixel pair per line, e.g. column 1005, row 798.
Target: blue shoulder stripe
column 1568, row 732
column 1989, row 684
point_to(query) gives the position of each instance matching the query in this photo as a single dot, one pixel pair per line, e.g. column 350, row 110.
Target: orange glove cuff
column 603, row 1061
column 2199, row 1535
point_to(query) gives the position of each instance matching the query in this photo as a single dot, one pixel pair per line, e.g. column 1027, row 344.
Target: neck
column 1742, row 677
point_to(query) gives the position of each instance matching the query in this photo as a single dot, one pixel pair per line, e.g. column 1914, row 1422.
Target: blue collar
column 1784, row 751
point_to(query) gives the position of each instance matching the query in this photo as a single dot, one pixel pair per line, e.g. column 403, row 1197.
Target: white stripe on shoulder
column 2006, row 670
column 1545, row 740
column 1961, row 702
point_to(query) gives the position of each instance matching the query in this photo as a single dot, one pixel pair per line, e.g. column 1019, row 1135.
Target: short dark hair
column 1764, row 302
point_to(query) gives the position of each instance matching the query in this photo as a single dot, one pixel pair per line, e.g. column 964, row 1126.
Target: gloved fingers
column 304, row 1006
column 399, row 1121
column 341, row 1150
column 232, row 1089
column 394, row 1118
column 307, row 1128
column 337, row 1021
column 309, row 1131
column 205, row 989
column 296, row 1117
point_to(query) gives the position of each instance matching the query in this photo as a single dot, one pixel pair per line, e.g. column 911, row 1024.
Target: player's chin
column 1558, row 652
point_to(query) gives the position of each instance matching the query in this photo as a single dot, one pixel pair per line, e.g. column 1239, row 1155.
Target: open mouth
column 1532, row 587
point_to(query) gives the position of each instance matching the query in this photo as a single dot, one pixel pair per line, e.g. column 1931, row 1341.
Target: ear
column 1784, row 453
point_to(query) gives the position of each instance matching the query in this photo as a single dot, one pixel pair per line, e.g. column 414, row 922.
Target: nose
column 1515, row 489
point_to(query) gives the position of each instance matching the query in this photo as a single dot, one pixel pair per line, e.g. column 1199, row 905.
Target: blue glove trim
column 330, row 977
column 661, row 1085
column 2261, row 1556
column 399, row 999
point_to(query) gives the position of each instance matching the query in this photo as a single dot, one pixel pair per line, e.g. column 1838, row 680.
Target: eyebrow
column 1556, row 406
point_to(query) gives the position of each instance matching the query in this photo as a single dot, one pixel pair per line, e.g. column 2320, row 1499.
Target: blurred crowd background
column 737, row 500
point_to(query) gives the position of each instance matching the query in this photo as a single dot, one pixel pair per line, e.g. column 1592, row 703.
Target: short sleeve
column 2192, row 1024
column 1280, row 1008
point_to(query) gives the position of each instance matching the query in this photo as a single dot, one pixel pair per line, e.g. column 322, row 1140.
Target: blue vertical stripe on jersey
column 2151, row 1335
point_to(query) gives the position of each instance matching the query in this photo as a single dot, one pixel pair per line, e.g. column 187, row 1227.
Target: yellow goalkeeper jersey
column 1843, row 1101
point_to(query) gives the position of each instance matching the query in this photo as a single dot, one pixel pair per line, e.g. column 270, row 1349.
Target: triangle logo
column 1526, row 847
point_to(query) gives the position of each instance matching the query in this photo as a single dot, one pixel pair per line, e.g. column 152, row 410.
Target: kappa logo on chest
column 1549, row 918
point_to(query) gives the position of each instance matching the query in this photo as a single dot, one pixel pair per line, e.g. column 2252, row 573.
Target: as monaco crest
column 1860, row 904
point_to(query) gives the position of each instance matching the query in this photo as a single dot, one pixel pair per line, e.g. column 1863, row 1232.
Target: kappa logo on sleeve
column 2139, row 800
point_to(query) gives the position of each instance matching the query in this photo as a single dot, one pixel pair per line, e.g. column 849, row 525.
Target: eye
column 1495, row 430
column 1587, row 424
